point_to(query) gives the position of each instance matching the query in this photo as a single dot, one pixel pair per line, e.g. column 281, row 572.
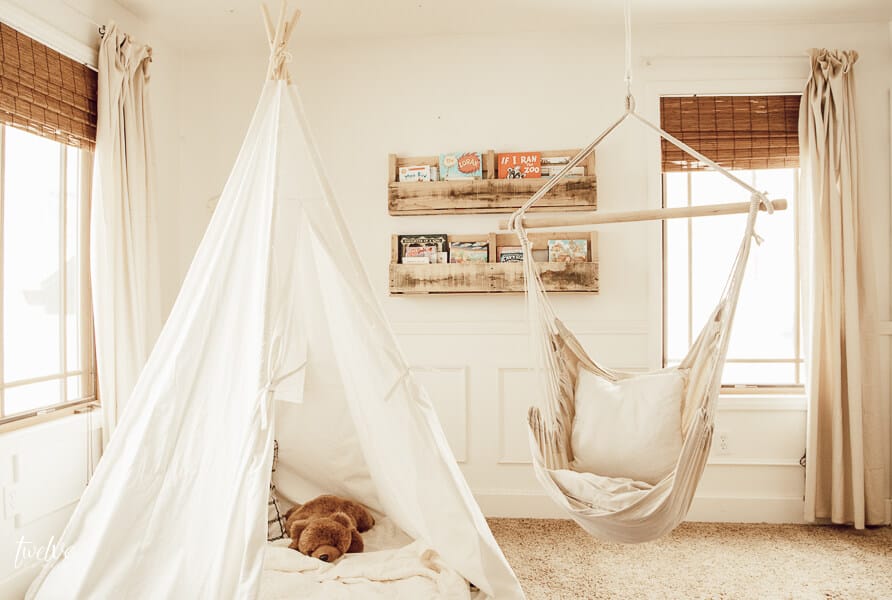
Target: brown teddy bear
column 327, row 527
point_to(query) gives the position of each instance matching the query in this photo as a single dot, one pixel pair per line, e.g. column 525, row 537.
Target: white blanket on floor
column 391, row 567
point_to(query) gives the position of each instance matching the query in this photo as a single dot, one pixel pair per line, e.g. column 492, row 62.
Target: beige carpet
column 558, row 560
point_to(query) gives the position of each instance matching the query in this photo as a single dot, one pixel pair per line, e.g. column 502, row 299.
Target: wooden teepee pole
column 278, row 41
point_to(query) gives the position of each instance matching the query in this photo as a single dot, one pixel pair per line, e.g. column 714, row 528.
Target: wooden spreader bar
column 598, row 218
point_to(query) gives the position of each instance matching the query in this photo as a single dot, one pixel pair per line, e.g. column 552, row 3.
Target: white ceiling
column 191, row 23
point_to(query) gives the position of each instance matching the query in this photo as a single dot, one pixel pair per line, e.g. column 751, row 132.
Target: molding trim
column 718, row 509
column 766, row 402
column 477, row 328
column 754, row 462
column 21, row 19
column 464, row 451
column 501, row 371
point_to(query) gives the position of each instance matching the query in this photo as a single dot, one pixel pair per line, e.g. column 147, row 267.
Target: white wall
column 368, row 98
column 43, row 469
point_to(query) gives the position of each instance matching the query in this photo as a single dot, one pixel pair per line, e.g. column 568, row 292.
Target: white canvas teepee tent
column 276, row 333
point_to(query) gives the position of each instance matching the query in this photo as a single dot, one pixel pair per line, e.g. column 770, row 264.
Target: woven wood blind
column 737, row 132
column 45, row 92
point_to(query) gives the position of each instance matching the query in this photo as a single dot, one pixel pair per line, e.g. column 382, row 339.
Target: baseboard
column 519, row 505
column 536, row 505
column 746, row 510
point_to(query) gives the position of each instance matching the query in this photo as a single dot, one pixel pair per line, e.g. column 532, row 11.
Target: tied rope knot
column 761, row 199
column 278, row 60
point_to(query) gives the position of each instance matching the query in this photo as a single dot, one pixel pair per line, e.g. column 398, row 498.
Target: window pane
column 73, row 267
column 74, row 389
column 676, row 190
column 766, row 325
column 33, row 396
column 31, row 240
column 677, row 323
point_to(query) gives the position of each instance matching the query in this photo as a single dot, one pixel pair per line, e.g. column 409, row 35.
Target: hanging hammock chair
column 614, row 508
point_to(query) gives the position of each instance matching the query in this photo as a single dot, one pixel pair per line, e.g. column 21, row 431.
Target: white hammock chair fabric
column 613, row 508
column 276, row 334
column 618, row 509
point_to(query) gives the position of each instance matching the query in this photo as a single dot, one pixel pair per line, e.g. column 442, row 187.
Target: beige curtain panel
column 846, row 472
column 124, row 249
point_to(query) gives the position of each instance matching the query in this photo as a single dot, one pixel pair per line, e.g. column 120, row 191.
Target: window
column 765, row 348
column 47, row 335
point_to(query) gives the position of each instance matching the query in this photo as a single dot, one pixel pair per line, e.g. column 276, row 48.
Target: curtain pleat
column 846, row 470
column 124, row 250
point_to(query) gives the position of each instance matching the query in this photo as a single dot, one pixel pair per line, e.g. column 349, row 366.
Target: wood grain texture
column 656, row 214
column 490, row 278
column 489, row 194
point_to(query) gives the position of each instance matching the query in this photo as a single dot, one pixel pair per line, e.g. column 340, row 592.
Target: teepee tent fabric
column 276, row 333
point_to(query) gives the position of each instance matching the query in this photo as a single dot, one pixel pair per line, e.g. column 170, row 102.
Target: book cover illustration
column 422, row 249
column 461, row 165
column 510, row 254
column 415, row 173
column 469, row 252
column 519, row 165
column 567, row 251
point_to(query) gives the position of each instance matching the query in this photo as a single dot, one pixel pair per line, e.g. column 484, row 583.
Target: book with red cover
column 519, row 165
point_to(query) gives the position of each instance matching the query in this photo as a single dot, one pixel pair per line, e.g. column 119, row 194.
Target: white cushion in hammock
column 631, row 428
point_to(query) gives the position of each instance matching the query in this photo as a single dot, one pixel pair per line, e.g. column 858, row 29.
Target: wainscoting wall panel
column 448, row 391
column 480, row 379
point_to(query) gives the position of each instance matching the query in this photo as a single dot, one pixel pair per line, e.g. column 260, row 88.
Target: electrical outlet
column 722, row 443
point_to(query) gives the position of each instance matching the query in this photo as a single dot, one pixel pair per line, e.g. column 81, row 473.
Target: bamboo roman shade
column 737, row 132
column 45, row 92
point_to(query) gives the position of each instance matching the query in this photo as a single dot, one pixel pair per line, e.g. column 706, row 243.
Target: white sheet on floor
column 392, row 567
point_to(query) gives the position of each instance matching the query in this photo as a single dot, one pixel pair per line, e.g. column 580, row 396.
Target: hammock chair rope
column 618, row 509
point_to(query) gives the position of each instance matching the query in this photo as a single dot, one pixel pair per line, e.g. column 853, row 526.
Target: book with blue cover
column 461, row 165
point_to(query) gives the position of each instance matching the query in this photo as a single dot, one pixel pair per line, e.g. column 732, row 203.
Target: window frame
column 88, row 345
column 798, row 360
column 703, row 75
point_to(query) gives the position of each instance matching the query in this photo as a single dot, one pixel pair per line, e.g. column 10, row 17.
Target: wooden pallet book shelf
column 494, row 276
column 489, row 194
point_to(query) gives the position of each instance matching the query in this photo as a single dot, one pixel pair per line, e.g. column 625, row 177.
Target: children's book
column 552, row 170
column 568, row 251
column 510, row 254
column 469, row 252
column 519, row 165
column 461, row 165
column 415, row 173
column 430, row 245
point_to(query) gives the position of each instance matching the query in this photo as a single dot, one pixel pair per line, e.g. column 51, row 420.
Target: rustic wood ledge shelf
column 495, row 277
column 487, row 195
column 490, row 278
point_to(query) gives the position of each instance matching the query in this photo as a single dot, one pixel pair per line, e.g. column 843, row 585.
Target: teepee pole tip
column 268, row 24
